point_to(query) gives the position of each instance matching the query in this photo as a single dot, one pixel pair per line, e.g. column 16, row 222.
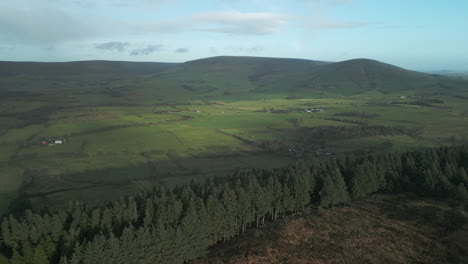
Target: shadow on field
column 44, row 186
column 40, row 183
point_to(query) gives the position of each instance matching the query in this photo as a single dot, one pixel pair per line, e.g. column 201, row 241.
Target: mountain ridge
column 234, row 74
column 81, row 67
column 215, row 59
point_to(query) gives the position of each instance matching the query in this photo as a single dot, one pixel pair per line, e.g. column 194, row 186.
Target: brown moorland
column 379, row 229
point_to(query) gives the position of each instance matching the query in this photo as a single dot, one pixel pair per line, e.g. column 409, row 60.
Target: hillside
column 380, row 229
column 257, row 65
column 303, row 77
column 216, row 75
column 351, row 210
column 129, row 126
column 364, row 74
column 8, row 68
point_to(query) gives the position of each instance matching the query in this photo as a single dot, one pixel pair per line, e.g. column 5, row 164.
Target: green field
column 126, row 132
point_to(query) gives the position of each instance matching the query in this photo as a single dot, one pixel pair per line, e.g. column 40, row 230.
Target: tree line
column 180, row 224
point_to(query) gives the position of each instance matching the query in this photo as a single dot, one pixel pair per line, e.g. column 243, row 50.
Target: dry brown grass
column 379, row 229
column 216, row 102
column 95, row 116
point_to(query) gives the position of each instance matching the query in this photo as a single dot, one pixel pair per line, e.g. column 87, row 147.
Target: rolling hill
column 130, row 125
column 365, row 74
column 8, row 68
column 225, row 74
column 297, row 76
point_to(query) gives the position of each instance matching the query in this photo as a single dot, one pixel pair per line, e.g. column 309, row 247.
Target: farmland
column 128, row 127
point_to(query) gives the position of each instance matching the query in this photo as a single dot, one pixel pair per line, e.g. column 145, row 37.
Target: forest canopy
column 179, row 224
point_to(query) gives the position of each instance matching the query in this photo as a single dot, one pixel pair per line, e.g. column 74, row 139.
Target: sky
column 414, row 34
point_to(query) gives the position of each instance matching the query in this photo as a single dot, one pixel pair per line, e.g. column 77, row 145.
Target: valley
column 128, row 127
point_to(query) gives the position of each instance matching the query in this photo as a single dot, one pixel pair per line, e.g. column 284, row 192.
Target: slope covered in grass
column 183, row 121
column 81, row 68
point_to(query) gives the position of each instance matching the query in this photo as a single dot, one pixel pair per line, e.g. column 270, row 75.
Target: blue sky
column 416, row 34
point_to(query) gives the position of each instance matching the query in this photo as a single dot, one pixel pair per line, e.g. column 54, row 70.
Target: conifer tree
column 3, row 259
column 63, row 260
column 460, row 194
column 177, row 225
column 40, row 255
column 215, row 211
column 334, row 190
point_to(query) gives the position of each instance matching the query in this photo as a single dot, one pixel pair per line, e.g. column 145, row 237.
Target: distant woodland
column 180, row 224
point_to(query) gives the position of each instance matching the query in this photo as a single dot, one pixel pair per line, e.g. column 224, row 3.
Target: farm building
column 313, row 110
column 53, row 141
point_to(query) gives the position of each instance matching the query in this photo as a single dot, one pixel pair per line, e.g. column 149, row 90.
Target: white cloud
column 135, row 49
column 331, row 1
column 158, row 27
column 325, row 23
column 113, row 46
column 111, row 3
column 51, row 24
column 240, row 49
column 229, row 22
column 146, row 50
column 235, row 22
column 36, row 24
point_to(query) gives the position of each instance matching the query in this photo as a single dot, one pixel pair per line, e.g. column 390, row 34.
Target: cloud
column 324, row 23
column 337, row 25
column 333, row 2
column 118, row 46
column 49, row 48
column 182, row 50
column 146, row 50
column 113, row 46
column 6, row 47
column 38, row 24
column 255, row 49
column 235, row 22
column 228, row 22
column 110, row 3
column 133, row 3
column 53, row 22
column 239, row 49
column 158, row 27
column 342, row 1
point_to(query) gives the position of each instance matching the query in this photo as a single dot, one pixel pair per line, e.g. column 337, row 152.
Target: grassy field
column 127, row 132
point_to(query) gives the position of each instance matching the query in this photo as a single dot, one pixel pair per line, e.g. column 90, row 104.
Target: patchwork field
column 124, row 133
